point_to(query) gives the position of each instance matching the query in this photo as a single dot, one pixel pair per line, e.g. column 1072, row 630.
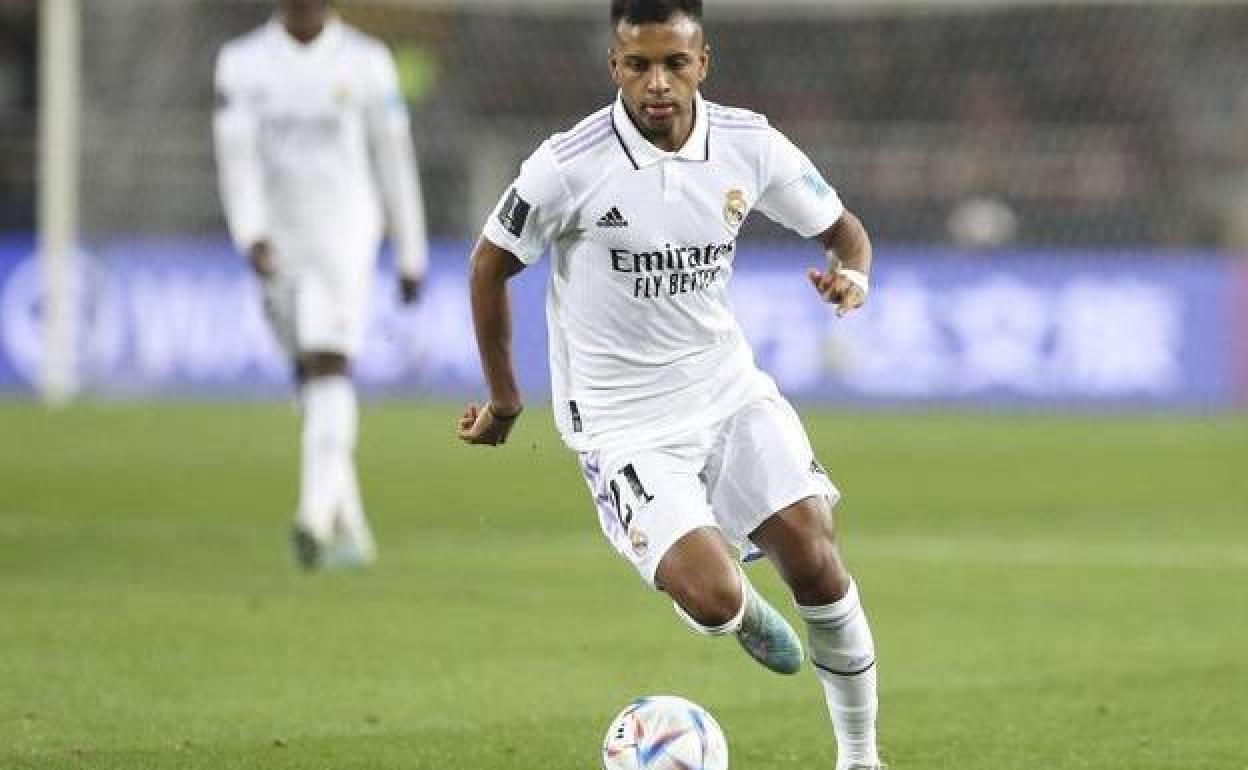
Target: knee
column 702, row 578
column 709, row 602
column 321, row 364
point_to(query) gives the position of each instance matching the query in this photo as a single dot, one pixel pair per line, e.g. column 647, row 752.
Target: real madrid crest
column 639, row 541
column 734, row 208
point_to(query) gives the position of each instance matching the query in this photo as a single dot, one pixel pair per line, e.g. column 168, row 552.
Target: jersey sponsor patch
column 514, row 213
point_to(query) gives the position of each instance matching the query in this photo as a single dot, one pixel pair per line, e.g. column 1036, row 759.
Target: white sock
column 843, row 654
column 328, row 437
column 352, row 522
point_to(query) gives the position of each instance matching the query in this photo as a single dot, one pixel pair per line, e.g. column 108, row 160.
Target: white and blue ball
column 664, row 732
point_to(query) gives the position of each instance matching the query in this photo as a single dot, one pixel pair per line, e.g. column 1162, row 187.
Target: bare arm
column 491, row 318
column 848, row 247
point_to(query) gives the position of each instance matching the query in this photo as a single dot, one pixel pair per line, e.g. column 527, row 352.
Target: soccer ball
column 664, row 732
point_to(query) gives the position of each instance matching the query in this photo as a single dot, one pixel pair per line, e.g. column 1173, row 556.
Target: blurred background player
column 312, row 136
column 686, row 446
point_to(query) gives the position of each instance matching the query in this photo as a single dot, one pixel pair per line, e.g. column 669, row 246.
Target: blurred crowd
column 1060, row 124
column 1063, row 125
column 17, row 103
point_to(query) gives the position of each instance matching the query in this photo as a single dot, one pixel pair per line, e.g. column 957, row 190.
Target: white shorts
column 732, row 475
column 318, row 309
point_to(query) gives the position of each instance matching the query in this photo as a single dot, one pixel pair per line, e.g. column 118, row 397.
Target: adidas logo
column 613, row 218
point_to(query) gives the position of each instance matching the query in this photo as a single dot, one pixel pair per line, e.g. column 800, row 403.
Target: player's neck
column 305, row 30
column 675, row 140
column 668, row 142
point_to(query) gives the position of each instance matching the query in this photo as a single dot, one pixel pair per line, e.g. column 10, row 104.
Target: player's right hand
column 482, row 425
column 260, row 256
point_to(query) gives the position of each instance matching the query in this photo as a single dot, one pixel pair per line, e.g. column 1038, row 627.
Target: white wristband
column 857, row 278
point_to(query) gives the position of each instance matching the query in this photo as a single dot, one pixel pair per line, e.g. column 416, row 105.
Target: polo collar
column 643, row 153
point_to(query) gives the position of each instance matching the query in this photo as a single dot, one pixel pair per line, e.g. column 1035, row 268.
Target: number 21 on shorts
column 627, row 494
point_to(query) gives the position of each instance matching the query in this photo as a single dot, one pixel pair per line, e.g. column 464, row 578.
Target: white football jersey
column 311, row 139
column 643, row 342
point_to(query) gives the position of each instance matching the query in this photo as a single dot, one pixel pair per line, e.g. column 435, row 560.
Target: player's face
column 658, row 67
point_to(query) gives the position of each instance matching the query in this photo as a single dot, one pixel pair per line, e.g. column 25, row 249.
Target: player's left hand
column 409, row 289
column 837, row 288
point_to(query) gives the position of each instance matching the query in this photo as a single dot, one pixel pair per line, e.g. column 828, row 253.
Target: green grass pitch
column 1045, row 593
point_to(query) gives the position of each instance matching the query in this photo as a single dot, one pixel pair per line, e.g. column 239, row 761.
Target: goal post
column 57, row 213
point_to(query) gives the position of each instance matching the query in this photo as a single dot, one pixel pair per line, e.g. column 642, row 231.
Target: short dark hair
column 653, row 11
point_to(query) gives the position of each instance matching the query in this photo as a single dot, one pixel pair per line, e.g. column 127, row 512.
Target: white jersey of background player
column 312, row 137
column 686, row 446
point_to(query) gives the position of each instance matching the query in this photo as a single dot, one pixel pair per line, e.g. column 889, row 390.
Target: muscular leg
column 800, row 541
column 713, row 596
column 700, row 575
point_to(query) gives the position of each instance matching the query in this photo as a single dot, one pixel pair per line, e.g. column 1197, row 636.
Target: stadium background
column 1040, row 413
column 1045, row 154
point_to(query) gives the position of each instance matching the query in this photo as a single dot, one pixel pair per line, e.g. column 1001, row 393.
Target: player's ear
column 613, row 64
column 705, row 61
